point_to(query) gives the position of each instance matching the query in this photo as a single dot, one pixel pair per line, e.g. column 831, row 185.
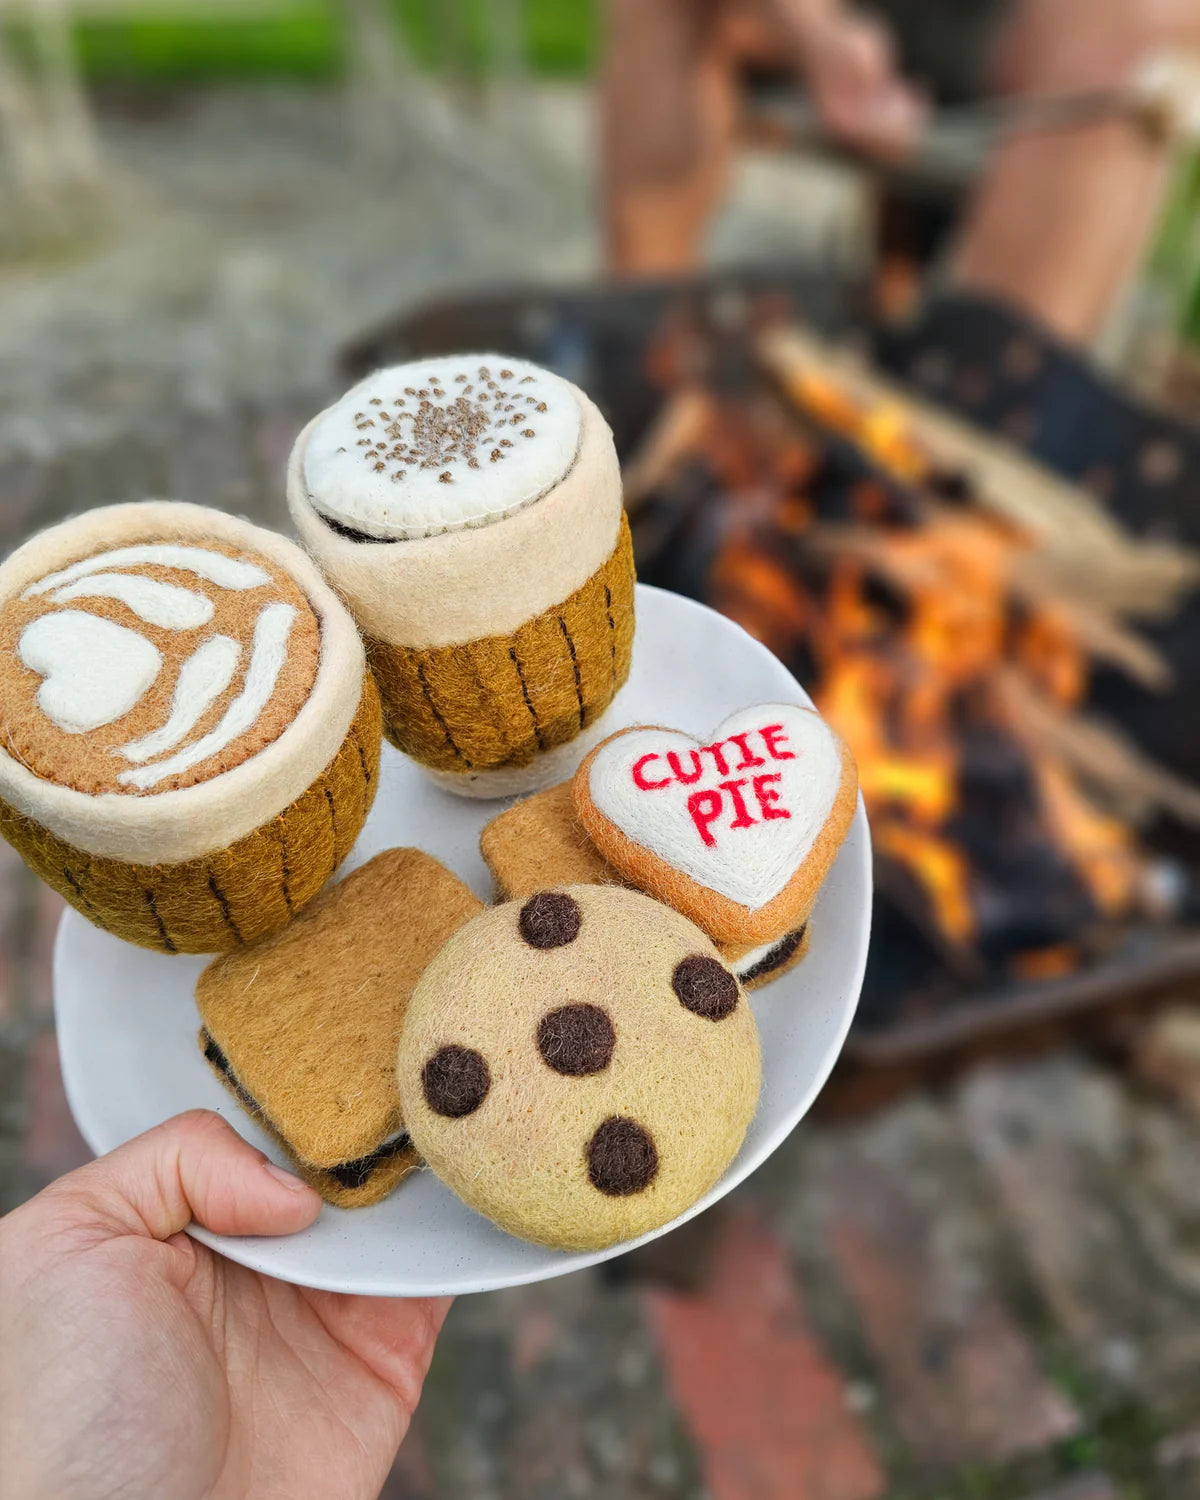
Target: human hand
column 850, row 67
column 139, row 1363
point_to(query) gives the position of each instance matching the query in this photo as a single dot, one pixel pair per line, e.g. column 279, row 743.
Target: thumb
column 194, row 1167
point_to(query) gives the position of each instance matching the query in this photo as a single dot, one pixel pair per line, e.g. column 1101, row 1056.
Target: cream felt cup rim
column 427, row 592
column 172, row 826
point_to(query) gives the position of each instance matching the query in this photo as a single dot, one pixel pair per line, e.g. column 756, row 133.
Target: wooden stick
column 675, row 431
column 1063, row 517
column 1098, row 752
column 1095, row 631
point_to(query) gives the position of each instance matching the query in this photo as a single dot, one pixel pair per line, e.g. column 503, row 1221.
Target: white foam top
column 442, row 444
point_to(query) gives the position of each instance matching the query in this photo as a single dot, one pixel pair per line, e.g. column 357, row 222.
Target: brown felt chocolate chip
column 455, row 1081
column 622, row 1157
column 576, row 1039
column 551, row 919
column 705, row 986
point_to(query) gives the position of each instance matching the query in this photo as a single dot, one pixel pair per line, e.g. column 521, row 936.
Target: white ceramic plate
column 127, row 1024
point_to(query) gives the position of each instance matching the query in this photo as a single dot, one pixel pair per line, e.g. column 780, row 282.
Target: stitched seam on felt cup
column 183, row 824
column 725, row 920
column 499, row 701
column 234, row 895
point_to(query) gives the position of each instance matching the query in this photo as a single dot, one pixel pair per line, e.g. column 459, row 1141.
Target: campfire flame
column 919, row 611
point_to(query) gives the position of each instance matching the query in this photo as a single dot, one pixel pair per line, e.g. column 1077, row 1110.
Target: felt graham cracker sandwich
column 580, row 1067
column 541, row 838
column 468, row 509
column 738, row 831
column 189, row 737
column 303, row 1027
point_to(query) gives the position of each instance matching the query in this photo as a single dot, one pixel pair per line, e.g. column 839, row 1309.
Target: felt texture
column 540, row 840
column 163, row 604
column 219, row 568
column 232, row 896
column 92, row 671
column 135, row 697
column 483, row 581
column 268, row 658
column 310, row 1019
column 442, row 444
column 757, row 966
column 550, row 919
column 283, row 754
column 537, row 1154
column 499, row 701
column 774, row 846
column 351, row 1184
column 576, row 1040
column 547, row 768
column 203, row 677
column 738, row 814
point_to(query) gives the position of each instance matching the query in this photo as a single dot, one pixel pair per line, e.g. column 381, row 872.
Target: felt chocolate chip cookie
column 540, row 840
column 580, row 1066
column 303, row 1027
column 737, row 831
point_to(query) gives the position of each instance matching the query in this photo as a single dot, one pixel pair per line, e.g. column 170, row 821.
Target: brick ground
column 991, row 1293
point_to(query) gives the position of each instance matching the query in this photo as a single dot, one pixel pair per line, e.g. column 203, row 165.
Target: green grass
column 1175, row 263
column 303, row 42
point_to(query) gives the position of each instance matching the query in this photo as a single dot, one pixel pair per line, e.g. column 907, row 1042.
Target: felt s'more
column 468, row 509
column 580, row 1066
column 189, row 736
column 736, row 830
column 541, row 839
column 303, row 1027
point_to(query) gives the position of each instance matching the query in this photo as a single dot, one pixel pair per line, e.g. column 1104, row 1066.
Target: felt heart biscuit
column 539, row 841
column 736, row 831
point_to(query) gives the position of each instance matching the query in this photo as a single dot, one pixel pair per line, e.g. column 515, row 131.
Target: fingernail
column 285, row 1178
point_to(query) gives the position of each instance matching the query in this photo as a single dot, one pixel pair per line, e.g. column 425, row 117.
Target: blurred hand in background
column 1042, row 229
column 671, row 96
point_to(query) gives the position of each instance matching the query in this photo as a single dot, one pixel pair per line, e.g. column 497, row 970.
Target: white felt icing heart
column 95, row 670
column 738, row 813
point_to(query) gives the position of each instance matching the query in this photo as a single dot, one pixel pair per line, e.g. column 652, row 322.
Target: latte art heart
column 161, row 663
column 738, row 813
column 94, row 671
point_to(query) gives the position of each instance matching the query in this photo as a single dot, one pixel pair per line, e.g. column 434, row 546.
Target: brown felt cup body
column 218, row 901
column 500, row 701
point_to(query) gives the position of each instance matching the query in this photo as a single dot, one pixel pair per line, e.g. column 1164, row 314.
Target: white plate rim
column 268, row 1255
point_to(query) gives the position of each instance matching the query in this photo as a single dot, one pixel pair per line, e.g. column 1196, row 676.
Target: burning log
column 1101, row 754
column 914, row 438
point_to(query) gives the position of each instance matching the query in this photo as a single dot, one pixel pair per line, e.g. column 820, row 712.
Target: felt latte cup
column 468, row 510
column 189, row 738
